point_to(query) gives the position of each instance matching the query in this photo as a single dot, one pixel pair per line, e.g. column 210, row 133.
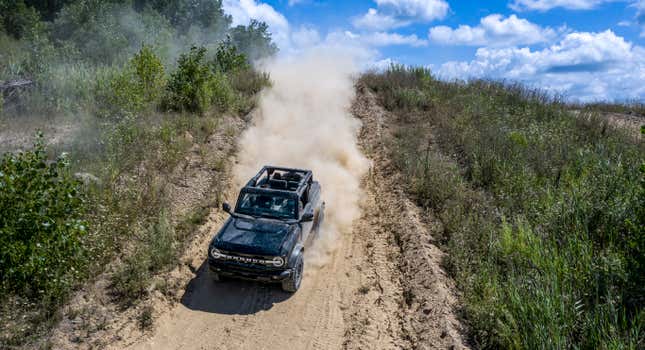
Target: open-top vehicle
column 278, row 213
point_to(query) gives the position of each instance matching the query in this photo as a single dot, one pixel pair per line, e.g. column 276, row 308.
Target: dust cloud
column 303, row 121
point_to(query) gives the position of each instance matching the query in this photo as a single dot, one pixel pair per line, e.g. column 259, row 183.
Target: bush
column 18, row 19
column 228, row 59
column 149, row 74
column 194, row 87
column 254, row 40
column 41, row 224
column 135, row 88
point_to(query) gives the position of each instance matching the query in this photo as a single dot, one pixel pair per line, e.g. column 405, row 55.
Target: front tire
column 292, row 283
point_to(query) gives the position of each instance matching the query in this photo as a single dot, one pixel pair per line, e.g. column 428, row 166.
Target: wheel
column 292, row 283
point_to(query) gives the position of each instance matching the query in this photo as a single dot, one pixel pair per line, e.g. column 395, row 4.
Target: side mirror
column 226, row 207
column 308, row 215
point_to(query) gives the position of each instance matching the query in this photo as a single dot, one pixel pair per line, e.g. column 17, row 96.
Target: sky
column 584, row 50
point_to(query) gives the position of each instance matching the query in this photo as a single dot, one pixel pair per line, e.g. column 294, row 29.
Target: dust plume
column 303, row 121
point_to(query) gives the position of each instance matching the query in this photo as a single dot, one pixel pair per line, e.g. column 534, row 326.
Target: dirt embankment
column 401, row 266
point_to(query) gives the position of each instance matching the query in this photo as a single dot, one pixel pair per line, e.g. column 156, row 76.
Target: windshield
column 267, row 205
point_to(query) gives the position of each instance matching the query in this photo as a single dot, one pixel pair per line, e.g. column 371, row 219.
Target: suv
column 278, row 213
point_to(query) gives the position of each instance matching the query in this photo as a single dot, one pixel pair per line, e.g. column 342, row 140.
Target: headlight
column 277, row 261
column 216, row 254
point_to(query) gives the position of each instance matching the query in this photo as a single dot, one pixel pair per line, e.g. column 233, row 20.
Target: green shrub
column 228, row 59
column 254, row 40
column 189, row 86
column 135, row 88
column 41, row 224
column 249, row 82
column 194, row 87
column 149, row 74
column 18, row 19
column 117, row 94
column 223, row 96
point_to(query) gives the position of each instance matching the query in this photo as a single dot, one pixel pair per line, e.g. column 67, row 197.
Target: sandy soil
column 19, row 134
column 632, row 123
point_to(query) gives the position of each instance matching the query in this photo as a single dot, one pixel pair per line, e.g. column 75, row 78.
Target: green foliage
column 136, row 88
column 544, row 220
column 254, row 40
column 149, row 74
column 183, row 14
column 194, row 87
column 229, row 60
column 189, row 87
column 155, row 251
column 116, row 30
column 41, row 225
column 19, row 19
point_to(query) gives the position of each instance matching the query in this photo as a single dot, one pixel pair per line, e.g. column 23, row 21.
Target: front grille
column 246, row 258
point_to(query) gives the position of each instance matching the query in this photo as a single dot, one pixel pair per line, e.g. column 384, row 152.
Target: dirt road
column 382, row 288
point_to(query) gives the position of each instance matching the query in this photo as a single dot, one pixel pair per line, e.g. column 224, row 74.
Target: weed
column 542, row 208
column 145, row 319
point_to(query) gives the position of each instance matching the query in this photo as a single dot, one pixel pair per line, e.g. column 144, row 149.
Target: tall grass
column 544, row 212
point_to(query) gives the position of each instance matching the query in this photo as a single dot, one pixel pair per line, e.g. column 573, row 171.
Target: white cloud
column 387, row 39
column 422, row 10
column 586, row 66
column 294, row 43
column 375, row 20
column 375, row 39
column 640, row 15
column 545, row 5
column 381, row 65
column 493, row 30
column 242, row 11
column 398, row 13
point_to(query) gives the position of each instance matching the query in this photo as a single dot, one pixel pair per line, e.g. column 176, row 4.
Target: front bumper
column 248, row 271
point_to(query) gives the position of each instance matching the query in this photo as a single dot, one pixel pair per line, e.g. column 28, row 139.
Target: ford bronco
column 277, row 215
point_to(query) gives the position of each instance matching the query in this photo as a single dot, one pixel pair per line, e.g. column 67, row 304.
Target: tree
column 228, row 59
column 254, row 40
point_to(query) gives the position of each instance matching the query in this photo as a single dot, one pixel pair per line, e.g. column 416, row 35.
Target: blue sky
column 584, row 49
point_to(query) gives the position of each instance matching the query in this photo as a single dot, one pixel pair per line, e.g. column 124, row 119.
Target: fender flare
column 297, row 252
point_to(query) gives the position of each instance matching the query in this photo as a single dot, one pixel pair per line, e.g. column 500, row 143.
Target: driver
column 279, row 205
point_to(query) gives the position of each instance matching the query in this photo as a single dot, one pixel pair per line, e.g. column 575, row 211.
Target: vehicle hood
column 257, row 237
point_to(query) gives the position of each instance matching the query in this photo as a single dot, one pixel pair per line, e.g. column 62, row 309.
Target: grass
column 543, row 210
